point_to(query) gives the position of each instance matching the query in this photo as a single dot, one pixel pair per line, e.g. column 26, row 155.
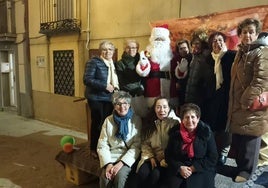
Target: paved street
column 28, row 148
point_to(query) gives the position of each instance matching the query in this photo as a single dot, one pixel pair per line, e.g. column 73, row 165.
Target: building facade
column 44, row 45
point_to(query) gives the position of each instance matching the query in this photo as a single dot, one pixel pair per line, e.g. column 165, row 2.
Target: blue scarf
column 122, row 123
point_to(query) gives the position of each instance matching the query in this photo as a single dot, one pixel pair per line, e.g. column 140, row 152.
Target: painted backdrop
column 225, row 22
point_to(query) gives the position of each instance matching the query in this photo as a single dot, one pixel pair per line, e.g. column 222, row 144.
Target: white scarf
column 218, row 67
column 112, row 76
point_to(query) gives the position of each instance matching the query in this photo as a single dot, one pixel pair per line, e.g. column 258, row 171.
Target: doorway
column 8, row 91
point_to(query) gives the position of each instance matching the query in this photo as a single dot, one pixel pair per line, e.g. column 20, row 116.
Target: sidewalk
column 28, row 148
column 27, row 153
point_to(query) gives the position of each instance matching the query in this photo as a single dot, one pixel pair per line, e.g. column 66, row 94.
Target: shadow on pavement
column 262, row 179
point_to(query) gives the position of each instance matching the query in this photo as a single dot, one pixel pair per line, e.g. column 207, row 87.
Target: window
column 64, row 72
column 3, row 17
column 59, row 16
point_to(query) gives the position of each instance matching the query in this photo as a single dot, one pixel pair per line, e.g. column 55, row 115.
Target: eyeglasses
column 121, row 104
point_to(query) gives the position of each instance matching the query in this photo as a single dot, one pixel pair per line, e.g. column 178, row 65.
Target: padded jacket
column 249, row 78
column 95, row 80
column 112, row 149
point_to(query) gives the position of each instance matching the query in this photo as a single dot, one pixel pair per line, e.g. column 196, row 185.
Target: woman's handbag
column 260, row 102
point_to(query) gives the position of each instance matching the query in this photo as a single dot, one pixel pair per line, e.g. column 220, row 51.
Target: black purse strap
column 125, row 144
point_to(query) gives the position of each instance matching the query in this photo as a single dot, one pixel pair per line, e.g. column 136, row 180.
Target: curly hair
column 202, row 36
column 249, row 21
column 212, row 35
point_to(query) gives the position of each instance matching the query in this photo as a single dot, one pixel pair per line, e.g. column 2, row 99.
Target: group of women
column 165, row 150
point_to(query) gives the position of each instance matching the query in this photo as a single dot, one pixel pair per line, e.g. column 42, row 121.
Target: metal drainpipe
column 28, row 110
column 180, row 9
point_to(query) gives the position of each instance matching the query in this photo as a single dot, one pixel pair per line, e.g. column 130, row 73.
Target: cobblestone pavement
column 22, row 162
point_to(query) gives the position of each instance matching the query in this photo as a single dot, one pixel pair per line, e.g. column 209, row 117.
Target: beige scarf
column 112, row 76
column 218, row 67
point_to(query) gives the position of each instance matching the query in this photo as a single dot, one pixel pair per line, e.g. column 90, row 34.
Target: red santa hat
column 160, row 32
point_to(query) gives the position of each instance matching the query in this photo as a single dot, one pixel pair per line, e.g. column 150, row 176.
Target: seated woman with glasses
column 119, row 142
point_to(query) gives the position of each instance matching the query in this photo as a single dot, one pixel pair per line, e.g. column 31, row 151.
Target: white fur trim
column 144, row 72
column 160, row 32
column 177, row 70
column 144, row 61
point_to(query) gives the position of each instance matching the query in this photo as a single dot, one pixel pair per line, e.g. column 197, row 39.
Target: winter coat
column 249, row 78
column 205, row 151
column 155, row 145
column 95, row 80
column 128, row 78
column 112, row 149
column 197, row 89
column 215, row 112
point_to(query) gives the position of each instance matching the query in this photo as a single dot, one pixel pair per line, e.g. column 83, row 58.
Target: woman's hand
column 110, row 88
column 153, row 162
column 109, row 171
column 192, row 168
column 163, row 163
column 117, row 167
column 185, row 171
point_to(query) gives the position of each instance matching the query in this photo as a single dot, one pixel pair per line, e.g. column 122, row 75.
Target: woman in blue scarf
column 119, row 143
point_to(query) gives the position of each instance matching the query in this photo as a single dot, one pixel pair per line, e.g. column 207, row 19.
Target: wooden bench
column 80, row 166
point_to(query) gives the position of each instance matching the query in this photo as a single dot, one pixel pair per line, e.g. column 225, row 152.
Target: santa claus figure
column 154, row 65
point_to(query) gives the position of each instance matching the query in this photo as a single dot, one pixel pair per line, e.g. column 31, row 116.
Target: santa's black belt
column 160, row 74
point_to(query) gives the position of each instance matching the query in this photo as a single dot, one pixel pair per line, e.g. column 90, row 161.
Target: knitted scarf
column 112, row 77
column 217, row 67
column 188, row 140
column 122, row 123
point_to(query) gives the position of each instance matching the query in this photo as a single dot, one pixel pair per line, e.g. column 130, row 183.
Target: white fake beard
column 161, row 53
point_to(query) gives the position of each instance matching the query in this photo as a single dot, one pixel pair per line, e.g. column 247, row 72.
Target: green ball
column 67, row 139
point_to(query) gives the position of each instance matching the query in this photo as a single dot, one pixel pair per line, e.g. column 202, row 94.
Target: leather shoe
column 240, row 179
column 222, row 160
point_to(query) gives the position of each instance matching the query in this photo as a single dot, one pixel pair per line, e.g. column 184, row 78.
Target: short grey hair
column 121, row 95
column 104, row 43
column 126, row 43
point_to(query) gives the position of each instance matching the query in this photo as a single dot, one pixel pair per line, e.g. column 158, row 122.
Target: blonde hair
column 104, row 43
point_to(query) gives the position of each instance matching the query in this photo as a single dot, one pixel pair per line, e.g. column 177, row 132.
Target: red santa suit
column 157, row 74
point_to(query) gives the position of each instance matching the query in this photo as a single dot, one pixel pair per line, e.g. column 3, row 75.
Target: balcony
column 59, row 17
column 7, row 27
column 7, row 37
column 60, row 26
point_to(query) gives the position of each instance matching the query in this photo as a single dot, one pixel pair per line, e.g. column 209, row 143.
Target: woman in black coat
column 215, row 113
column 191, row 153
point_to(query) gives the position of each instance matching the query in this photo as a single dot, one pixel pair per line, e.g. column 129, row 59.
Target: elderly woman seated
column 119, row 143
column 191, row 153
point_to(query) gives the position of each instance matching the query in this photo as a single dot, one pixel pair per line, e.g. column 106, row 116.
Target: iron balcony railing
column 59, row 16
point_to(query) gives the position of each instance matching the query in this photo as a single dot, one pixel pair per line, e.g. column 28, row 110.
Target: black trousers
column 246, row 150
column 99, row 111
column 148, row 177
